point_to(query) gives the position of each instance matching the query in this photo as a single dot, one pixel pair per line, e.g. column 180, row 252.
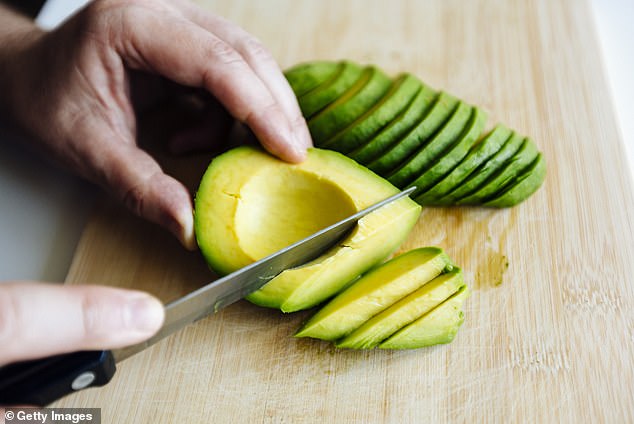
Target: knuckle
column 134, row 199
column 254, row 48
column 224, row 53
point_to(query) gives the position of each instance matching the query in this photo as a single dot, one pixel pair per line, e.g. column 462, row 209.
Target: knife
column 42, row 381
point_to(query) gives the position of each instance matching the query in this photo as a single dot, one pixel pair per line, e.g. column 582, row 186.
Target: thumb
column 40, row 319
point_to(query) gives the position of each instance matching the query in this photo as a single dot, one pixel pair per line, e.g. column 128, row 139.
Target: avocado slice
column 394, row 102
column 444, row 108
column 374, row 292
column 431, row 149
column 383, row 325
column 307, row 76
column 250, row 204
column 364, row 94
column 525, row 185
column 436, row 327
column 453, row 154
column 478, row 154
column 505, row 176
column 398, row 128
column 482, row 173
column 315, row 100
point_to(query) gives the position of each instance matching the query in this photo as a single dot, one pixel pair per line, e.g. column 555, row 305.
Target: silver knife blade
column 235, row 286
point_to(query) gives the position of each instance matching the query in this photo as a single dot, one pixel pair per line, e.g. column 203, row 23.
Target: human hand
column 71, row 90
column 39, row 320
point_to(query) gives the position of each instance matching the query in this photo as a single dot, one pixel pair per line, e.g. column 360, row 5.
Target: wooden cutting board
column 548, row 338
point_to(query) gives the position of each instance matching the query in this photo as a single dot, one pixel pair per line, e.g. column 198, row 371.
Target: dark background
column 28, row 7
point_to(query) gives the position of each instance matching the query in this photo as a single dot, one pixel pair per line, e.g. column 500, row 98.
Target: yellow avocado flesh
column 383, row 325
column 436, row 327
column 374, row 292
column 251, row 204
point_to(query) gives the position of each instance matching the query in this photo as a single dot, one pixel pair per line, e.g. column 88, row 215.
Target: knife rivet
column 83, row 380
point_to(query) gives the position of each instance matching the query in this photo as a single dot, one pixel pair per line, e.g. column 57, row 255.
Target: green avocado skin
column 400, row 95
column 391, row 135
column 413, row 135
column 345, row 110
column 489, row 145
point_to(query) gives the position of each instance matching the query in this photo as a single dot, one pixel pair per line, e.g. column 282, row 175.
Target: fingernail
column 145, row 314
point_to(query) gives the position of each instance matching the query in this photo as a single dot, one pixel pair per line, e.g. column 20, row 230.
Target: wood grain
column 548, row 339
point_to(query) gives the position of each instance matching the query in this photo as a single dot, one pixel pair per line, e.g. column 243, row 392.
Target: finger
column 114, row 161
column 38, row 319
column 134, row 177
column 190, row 55
column 258, row 58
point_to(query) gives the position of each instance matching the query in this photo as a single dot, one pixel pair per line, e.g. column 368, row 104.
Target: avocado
column 306, row 77
column 436, row 327
column 445, row 107
column 393, row 103
column 478, row 154
column 401, row 125
column 250, row 204
column 521, row 160
column 315, row 100
column 452, row 154
column 364, row 94
column 375, row 291
column 482, row 173
column 432, row 148
column 384, row 324
column 523, row 186
column 419, row 141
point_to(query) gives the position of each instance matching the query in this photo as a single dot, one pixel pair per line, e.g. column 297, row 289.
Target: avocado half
column 413, row 135
column 250, row 204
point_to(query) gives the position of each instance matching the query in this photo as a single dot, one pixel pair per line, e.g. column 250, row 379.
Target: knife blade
column 43, row 381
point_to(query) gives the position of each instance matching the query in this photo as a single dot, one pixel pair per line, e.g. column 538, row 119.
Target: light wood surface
column 548, row 339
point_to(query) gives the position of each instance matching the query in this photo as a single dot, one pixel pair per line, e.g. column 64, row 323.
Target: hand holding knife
column 40, row 382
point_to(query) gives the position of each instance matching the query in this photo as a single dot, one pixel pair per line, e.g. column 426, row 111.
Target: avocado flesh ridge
column 308, row 76
column 439, row 326
column 399, row 151
column 421, row 159
column 523, row 187
column 383, row 325
column 478, row 154
column 505, row 176
column 482, row 173
column 397, row 129
column 374, row 292
column 346, row 109
column 453, row 155
column 395, row 100
column 224, row 194
column 317, row 99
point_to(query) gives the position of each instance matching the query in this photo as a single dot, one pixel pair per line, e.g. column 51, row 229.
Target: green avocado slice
column 453, row 155
column 307, row 76
column 478, row 154
column 439, row 326
column 374, row 292
column 525, row 185
column 398, row 128
column 383, row 325
column 444, row 107
column 394, row 102
column 428, row 152
column 315, row 100
column 364, row 94
column 482, row 173
column 505, row 176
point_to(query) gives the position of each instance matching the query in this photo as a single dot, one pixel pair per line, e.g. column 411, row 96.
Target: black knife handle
column 42, row 381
